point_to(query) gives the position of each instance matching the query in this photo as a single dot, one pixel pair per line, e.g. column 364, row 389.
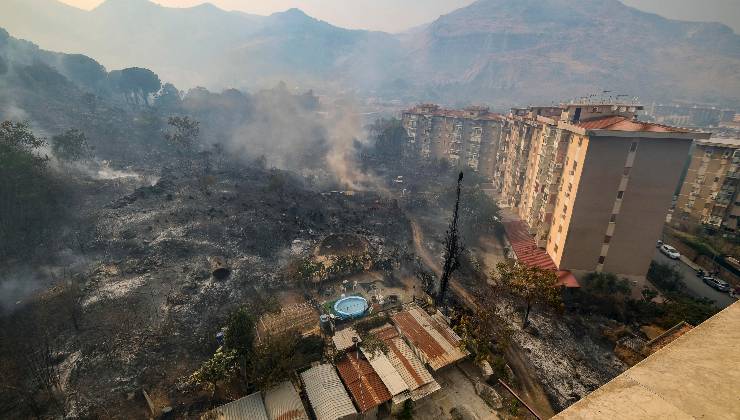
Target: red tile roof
column 525, row 248
column 362, row 381
column 567, row 279
column 619, row 123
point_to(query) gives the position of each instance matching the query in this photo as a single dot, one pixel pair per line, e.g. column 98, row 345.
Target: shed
column 326, row 393
column 250, row 407
column 282, row 402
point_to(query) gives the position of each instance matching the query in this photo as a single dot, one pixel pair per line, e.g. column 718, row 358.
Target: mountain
column 533, row 49
column 496, row 51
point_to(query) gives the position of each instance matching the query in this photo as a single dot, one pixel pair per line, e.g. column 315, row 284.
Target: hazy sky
column 398, row 15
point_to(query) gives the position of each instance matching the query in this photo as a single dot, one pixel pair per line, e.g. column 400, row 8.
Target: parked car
column 669, row 251
column 718, row 284
column 659, row 244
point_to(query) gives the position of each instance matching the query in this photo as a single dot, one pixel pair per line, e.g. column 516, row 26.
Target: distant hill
column 496, row 51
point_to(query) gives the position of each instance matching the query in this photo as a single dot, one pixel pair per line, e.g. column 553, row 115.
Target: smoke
column 297, row 133
column 345, row 136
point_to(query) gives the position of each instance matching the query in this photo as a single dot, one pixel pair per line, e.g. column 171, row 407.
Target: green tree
column 136, row 84
column 169, row 98
column 29, row 198
column 185, row 134
column 532, row 285
column 71, row 146
column 222, row 366
column 239, row 335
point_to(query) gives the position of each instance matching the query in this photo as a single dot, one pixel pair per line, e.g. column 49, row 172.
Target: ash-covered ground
column 140, row 309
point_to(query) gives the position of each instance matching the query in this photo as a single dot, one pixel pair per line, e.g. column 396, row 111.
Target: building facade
column 591, row 183
column 708, row 194
column 464, row 138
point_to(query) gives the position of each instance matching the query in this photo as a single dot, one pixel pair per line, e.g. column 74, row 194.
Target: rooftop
column 471, row 112
column 326, row 393
column 343, row 338
column 386, row 371
column 250, row 407
column 692, row 377
column 436, row 343
column 525, row 248
column 362, row 381
column 412, row 370
column 720, row 142
column 620, row 123
column 282, row 402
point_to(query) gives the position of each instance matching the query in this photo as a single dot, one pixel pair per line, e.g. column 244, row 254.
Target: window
column 556, row 248
column 613, row 219
column 716, row 179
column 627, row 170
column 560, row 229
column 620, row 195
column 580, row 141
column 570, row 186
column 633, row 146
column 602, row 259
column 607, row 239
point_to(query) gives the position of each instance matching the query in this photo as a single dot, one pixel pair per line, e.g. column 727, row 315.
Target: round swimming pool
column 350, row 307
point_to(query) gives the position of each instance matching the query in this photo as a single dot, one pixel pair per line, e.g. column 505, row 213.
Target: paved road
column 693, row 283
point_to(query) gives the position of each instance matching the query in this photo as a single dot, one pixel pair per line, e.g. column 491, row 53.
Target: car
column 670, row 252
column 718, row 284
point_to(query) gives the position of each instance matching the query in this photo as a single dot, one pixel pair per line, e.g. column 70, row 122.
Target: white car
column 669, row 251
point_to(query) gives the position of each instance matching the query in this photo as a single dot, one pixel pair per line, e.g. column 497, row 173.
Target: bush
column 665, row 277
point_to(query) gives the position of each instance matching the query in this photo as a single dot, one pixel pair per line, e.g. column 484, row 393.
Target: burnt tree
column 452, row 249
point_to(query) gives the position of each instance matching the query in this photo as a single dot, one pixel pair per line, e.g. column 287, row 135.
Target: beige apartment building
column 598, row 184
column 464, row 138
column 591, row 183
column 708, row 194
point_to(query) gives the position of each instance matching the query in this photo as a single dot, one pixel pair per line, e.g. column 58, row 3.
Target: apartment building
column 598, row 184
column 709, row 194
column 465, row 138
column 591, row 183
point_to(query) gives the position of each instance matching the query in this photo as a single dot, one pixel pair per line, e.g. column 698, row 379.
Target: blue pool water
column 350, row 307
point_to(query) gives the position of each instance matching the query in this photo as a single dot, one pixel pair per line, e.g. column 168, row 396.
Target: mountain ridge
column 497, row 51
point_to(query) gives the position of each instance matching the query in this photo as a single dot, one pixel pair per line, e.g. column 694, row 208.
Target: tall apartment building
column 591, row 182
column 597, row 184
column 709, row 193
column 465, row 138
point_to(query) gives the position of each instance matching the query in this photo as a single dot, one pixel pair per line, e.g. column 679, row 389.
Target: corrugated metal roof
column 402, row 357
column 326, row 393
column 282, row 402
column 363, row 383
column 437, row 344
column 250, row 407
column 387, row 373
column 343, row 339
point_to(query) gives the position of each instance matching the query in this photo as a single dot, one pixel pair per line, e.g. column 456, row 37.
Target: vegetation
column 71, row 146
column 309, row 270
column 533, row 286
column 29, row 196
column 407, row 412
column 390, row 138
column 605, row 293
column 220, row 367
column 239, row 335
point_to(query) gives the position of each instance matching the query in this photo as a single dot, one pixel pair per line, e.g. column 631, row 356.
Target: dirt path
column 422, row 250
column 529, row 388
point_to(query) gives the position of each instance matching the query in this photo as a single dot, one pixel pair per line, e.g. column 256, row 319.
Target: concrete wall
column 653, row 178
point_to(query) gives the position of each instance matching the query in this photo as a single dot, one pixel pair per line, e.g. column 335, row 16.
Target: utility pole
column 452, row 249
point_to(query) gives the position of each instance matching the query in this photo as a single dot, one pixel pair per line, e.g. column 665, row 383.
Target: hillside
column 497, row 51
